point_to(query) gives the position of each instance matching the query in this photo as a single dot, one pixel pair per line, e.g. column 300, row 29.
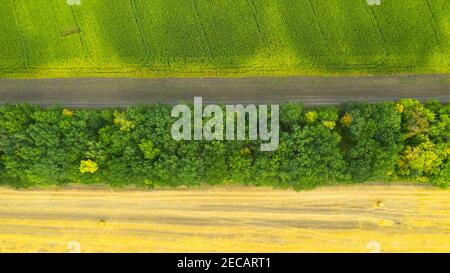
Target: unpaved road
column 122, row 92
column 388, row 218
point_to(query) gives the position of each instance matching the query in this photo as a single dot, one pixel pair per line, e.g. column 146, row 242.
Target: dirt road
column 357, row 219
column 122, row 92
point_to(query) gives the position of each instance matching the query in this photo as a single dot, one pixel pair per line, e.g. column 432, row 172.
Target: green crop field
column 162, row 38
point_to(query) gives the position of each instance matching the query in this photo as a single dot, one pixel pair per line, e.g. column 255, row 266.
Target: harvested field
column 365, row 218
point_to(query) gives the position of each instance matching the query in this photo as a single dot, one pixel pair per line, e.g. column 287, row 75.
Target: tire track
column 207, row 47
column 258, row 26
column 140, row 32
column 377, row 26
column 74, row 16
column 433, row 22
column 25, row 57
column 319, row 24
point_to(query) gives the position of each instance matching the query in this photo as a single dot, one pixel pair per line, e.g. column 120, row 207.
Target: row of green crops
column 356, row 142
column 49, row 38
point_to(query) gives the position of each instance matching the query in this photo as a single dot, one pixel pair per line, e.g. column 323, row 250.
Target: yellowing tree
column 329, row 124
column 399, row 108
column 148, row 149
column 346, row 120
column 423, row 159
column 66, row 112
column 121, row 121
column 311, row 117
column 246, row 151
column 88, row 166
column 415, row 117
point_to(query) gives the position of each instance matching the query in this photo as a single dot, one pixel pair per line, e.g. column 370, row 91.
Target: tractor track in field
column 123, row 92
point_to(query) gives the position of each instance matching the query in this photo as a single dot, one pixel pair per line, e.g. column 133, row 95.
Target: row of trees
column 356, row 142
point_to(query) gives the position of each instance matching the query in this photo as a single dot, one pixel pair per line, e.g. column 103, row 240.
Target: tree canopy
column 356, row 142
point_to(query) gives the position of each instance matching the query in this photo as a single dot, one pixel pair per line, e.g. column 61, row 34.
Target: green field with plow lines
column 185, row 38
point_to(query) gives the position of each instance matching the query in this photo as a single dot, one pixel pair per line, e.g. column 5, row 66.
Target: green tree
column 372, row 141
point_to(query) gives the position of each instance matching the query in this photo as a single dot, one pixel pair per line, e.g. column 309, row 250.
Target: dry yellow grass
column 349, row 219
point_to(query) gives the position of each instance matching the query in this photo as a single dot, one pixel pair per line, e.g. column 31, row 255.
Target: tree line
column 352, row 143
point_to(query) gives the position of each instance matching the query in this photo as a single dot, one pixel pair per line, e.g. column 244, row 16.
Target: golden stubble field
column 365, row 218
